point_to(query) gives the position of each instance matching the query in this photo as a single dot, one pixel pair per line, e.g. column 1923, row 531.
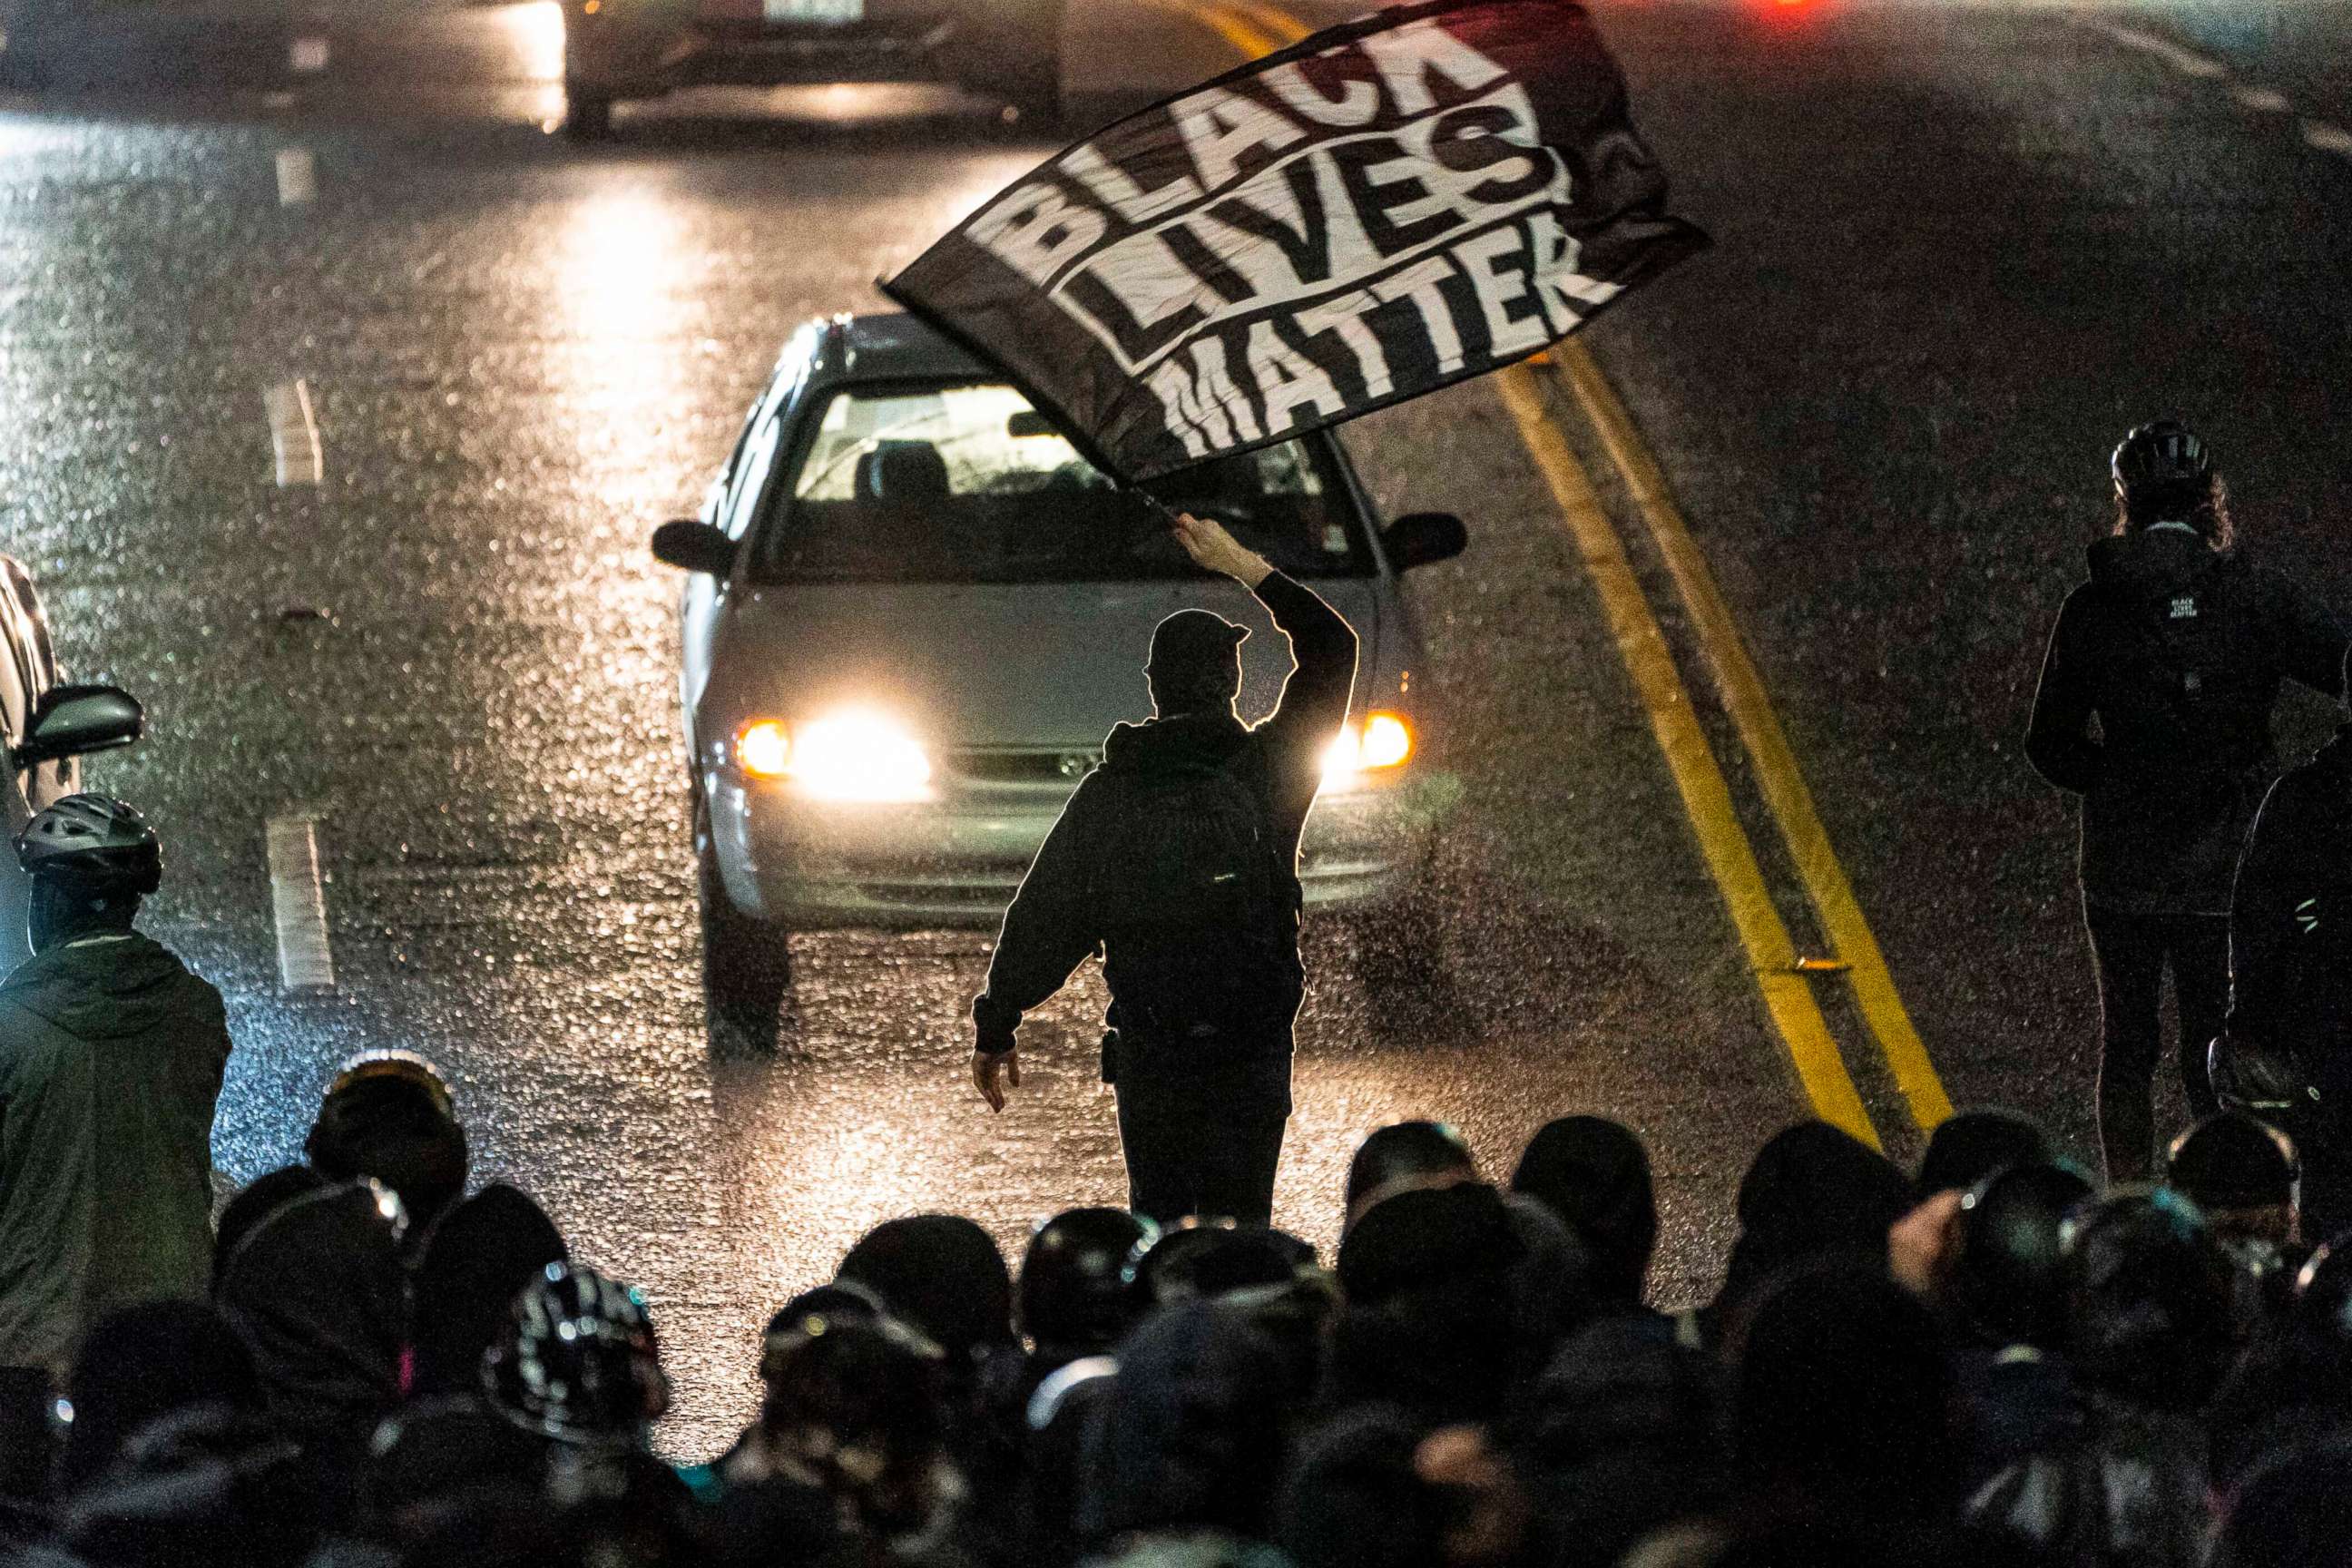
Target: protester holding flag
column 1179, row 858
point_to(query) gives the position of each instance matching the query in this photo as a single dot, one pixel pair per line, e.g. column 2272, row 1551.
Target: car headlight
column 1381, row 743
column 855, row 754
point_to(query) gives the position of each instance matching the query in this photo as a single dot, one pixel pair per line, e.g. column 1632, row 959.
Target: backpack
column 1190, row 896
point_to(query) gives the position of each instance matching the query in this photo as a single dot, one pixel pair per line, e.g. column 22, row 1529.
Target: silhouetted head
column 1594, row 1173
column 2244, row 1174
column 388, row 1115
column 2151, row 1300
column 855, row 1407
column 1967, row 1148
column 1404, row 1155
column 578, row 1361
column 1814, row 1192
column 942, row 1274
column 1843, row 1395
column 2008, row 1279
column 1196, row 664
column 1074, row 1298
column 482, row 1255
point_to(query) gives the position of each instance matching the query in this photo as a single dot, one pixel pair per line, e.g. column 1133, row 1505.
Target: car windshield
column 967, row 483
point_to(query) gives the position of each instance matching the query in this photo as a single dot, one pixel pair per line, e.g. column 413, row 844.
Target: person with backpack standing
column 1179, row 858
column 2177, row 647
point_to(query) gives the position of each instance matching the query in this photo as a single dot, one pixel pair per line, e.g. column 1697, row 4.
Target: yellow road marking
column 1281, row 24
column 1730, row 858
column 1229, row 23
column 1784, row 783
column 1707, row 798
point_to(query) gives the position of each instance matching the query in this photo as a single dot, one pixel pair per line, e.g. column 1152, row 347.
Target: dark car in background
column 617, row 50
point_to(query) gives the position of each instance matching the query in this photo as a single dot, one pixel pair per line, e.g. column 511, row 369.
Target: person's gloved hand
column 1214, row 550
column 988, row 1068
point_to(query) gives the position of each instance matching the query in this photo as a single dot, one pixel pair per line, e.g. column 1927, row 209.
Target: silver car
column 914, row 612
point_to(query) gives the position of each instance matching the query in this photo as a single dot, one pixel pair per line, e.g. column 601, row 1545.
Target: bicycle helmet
column 1073, row 1290
column 2165, row 452
column 578, row 1361
column 94, row 845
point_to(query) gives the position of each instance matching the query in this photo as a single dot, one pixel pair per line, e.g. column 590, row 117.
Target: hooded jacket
column 2178, row 652
column 1054, row 921
column 111, row 1056
column 2291, row 922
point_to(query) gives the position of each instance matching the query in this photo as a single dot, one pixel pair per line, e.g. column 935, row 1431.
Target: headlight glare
column 1380, row 742
column 763, row 748
column 851, row 754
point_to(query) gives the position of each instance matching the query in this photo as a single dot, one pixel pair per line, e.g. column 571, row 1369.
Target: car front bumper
column 958, row 861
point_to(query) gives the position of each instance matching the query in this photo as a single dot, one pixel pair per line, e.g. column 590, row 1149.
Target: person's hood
column 1189, row 1434
column 943, row 1275
column 2150, row 561
column 102, row 987
column 480, row 1256
column 1595, row 1175
column 316, row 1291
column 1428, row 1238
column 1813, row 1191
column 1188, row 743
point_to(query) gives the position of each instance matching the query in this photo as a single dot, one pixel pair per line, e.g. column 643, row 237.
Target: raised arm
column 1322, row 644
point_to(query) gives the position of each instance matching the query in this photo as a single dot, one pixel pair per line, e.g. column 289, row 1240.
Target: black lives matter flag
column 1389, row 207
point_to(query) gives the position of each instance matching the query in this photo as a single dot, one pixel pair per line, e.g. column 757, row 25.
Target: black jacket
column 2291, row 927
column 1052, row 925
column 2178, row 652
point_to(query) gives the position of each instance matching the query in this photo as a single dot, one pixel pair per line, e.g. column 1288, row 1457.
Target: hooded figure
column 1192, row 1437
column 1813, row 1193
column 318, row 1291
column 111, row 1057
column 478, row 1259
column 1434, row 1322
column 2177, row 649
column 943, row 1275
column 1595, row 1175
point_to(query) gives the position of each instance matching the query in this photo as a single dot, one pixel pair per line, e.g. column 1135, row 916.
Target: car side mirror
column 1424, row 537
column 74, row 721
column 694, row 546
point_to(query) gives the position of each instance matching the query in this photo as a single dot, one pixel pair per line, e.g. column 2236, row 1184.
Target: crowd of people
column 1987, row 1360
column 2000, row 1358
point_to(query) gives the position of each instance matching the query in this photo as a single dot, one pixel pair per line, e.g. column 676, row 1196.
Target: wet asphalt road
column 1959, row 249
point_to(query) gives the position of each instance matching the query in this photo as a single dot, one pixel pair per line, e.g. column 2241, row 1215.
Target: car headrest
column 902, row 471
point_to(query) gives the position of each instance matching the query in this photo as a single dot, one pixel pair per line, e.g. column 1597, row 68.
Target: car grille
column 1037, row 767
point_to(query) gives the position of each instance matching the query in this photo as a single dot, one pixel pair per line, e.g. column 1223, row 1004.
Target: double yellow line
column 1781, row 977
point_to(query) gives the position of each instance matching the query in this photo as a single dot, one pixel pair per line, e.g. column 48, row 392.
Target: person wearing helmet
column 1073, row 1297
column 2291, row 961
column 389, row 1114
column 111, row 1057
column 578, row 1363
column 2176, row 650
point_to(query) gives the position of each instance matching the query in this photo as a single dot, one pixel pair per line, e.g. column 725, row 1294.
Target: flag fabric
column 1389, row 207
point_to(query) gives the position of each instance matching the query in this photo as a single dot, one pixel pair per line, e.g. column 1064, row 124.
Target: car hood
column 990, row 664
